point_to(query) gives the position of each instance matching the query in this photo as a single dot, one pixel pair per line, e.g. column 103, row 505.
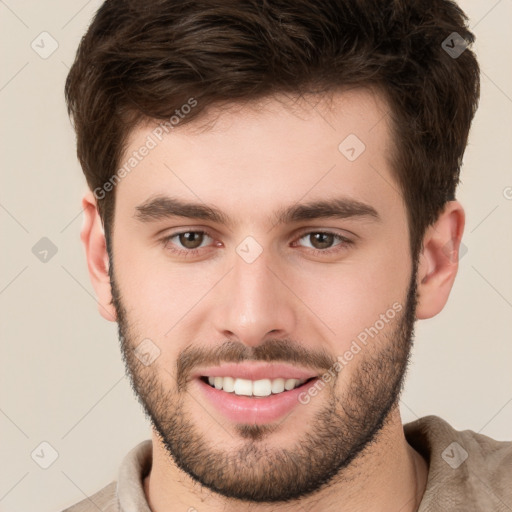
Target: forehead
column 252, row 158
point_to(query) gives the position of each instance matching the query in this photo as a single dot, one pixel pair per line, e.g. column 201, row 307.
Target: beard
column 349, row 421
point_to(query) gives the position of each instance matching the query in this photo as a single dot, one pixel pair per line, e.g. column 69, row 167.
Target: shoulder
column 127, row 491
column 465, row 467
column 432, row 433
column 104, row 500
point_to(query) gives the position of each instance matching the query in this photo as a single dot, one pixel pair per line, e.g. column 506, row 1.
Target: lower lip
column 256, row 411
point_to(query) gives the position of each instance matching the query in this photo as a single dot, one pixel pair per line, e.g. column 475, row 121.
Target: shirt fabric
column 468, row 472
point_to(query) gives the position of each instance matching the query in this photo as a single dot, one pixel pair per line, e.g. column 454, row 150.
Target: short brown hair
column 143, row 60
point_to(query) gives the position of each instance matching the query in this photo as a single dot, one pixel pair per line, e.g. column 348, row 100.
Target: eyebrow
column 164, row 207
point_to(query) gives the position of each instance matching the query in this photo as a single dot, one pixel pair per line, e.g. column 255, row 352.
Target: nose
column 252, row 302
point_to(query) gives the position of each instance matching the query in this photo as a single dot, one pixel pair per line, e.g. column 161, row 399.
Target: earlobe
column 93, row 238
column 438, row 262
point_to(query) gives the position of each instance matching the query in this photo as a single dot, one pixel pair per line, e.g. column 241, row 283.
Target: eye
column 322, row 242
column 186, row 242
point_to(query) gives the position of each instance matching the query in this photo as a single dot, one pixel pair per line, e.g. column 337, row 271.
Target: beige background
column 61, row 373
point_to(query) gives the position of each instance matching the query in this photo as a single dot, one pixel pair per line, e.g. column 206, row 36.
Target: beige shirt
column 468, row 472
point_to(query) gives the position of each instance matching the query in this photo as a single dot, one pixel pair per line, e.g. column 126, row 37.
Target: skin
column 249, row 161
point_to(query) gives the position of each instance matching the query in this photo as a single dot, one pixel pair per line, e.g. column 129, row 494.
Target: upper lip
column 256, row 371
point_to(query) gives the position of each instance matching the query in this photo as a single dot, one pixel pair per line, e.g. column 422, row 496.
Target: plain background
column 62, row 378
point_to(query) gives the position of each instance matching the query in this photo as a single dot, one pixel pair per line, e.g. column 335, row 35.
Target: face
column 268, row 247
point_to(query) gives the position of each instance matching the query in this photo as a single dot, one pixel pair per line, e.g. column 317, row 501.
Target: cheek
column 157, row 293
column 351, row 298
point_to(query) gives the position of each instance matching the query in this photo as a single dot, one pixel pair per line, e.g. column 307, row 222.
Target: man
column 271, row 207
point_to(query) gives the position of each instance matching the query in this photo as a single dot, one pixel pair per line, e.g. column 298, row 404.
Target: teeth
column 243, row 387
column 246, row 387
column 277, row 386
column 228, row 384
column 262, row 387
column 289, row 384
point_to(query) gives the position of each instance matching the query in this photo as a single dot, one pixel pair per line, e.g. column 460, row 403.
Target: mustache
column 272, row 350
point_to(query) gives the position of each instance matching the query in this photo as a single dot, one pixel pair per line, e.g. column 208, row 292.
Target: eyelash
column 343, row 245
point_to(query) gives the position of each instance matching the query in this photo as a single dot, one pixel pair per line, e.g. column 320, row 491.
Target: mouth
column 254, row 392
column 255, row 402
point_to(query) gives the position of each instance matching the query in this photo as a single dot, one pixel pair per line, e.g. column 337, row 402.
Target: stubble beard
column 256, row 471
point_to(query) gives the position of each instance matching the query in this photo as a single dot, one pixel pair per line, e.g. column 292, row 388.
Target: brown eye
column 321, row 240
column 324, row 242
column 187, row 243
column 191, row 239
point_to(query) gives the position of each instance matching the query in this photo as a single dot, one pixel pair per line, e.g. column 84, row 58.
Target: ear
column 439, row 260
column 93, row 238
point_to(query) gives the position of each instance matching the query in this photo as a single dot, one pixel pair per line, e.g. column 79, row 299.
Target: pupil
column 322, row 239
column 187, row 239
